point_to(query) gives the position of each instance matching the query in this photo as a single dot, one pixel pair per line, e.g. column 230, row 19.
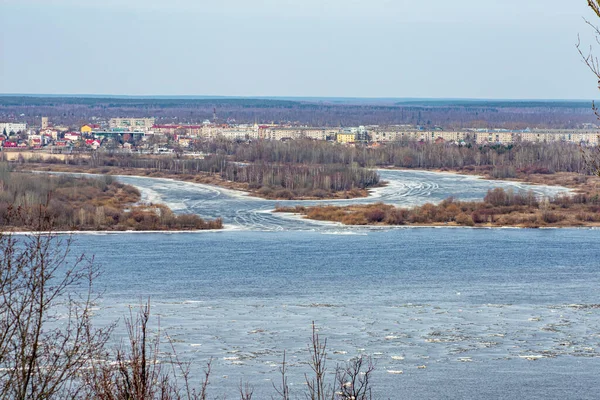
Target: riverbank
column 200, row 177
column 577, row 182
column 33, row 203
column 499, row 208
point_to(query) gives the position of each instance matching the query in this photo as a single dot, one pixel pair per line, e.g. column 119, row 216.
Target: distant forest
column 450, row 114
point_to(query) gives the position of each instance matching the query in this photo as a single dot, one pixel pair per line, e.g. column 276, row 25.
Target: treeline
column 450, row 114
column 499, row 208
column 318, row 169
column 500, row 161
column 277, row 180
column 292, row 180
column 60, row 202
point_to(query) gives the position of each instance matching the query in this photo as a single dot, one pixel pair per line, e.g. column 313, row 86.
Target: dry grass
column 499, row 208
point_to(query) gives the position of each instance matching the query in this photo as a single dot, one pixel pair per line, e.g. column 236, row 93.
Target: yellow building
column 346, row 137
column 86, row 129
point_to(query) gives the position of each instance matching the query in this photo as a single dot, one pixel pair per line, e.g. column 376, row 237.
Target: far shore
column 201, row 177
column 571, row 180
column 499, row 208
column 576, row 182
column 102, row 233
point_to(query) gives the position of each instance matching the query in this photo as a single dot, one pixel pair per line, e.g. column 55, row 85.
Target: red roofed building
column 95, row 143
column 72, row 136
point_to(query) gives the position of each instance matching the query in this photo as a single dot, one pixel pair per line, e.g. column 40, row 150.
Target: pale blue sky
column 338, row 48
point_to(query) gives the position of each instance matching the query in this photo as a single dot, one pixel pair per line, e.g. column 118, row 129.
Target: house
column 72, row 136
column 93, row 143
column 88, row 128
column 35, row 140
column 53, row 133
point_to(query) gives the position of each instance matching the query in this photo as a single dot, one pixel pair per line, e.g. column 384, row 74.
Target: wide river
column 489, row 313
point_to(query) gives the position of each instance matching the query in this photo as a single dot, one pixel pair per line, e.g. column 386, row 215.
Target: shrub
column 396, row 216
column 354, row 219
column 551, row 218
column 464, row 219
column 283, row 194
column 375, row 215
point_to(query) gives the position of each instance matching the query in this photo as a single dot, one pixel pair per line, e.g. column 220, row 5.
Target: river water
column 489, row 313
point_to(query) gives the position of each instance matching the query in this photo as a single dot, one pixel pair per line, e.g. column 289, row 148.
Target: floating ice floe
column 395, row 372
column 531, row 357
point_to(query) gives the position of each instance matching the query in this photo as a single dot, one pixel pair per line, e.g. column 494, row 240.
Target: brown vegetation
column 39, row 201
column 499, row 208
column 274, row 192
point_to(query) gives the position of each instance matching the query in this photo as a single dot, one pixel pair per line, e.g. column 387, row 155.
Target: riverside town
column 146, row 135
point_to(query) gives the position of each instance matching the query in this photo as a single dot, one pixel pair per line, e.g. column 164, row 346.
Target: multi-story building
column 296, row 133
column 346, row 137
column 396, row 133
column 12, row 127
column 133, row 124
column 185, row 130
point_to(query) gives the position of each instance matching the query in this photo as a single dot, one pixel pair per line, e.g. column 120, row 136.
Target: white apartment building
column 296, row 133
column 12, row 127
column 133, row 124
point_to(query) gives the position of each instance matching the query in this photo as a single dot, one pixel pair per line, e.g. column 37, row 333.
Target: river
column 489, row 313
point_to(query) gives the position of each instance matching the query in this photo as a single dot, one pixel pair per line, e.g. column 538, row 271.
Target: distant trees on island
column 317, row 169
column 40, row 202
column 502, row 161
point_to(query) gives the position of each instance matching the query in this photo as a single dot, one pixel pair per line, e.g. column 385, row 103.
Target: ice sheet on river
column 404, row 188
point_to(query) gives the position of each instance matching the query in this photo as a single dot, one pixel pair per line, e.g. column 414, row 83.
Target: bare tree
column 354, row 379
column 46, row 336
column 592, row 156
column 317, row 388
column 246, row 391
column 139, row 372
column 283, row 392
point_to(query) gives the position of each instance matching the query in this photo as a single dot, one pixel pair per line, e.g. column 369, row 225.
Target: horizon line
column 306, row 98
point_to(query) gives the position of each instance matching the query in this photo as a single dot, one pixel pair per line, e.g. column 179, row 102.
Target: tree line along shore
column 306, row 169
column 30, row 202
column 499, row 208
column 317, row 170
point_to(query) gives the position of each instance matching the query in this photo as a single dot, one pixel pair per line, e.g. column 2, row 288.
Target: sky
column 491, row 49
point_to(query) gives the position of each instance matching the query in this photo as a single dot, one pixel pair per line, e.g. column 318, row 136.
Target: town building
column 12, row 127
column 345, row 137
column 132, row 124
column 88, row 128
